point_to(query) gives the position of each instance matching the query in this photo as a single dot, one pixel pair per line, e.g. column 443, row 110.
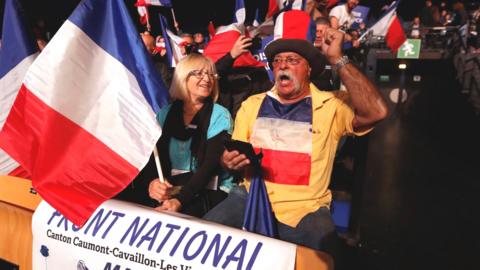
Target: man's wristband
column 340, row 63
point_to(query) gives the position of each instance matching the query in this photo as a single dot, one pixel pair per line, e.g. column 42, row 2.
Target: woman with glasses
column 194, row 129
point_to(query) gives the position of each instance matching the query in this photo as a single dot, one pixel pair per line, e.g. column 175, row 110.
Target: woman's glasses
column 197, row 73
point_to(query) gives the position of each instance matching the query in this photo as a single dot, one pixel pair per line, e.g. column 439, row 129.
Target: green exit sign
column 410, row 49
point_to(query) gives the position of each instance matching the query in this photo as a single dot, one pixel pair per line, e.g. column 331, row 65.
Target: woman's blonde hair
column 178, row 88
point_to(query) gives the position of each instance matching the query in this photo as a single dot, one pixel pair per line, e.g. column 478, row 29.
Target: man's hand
column 356, row 43
column 234, row 160
column 240, row 46
column 159, row 191
column 173, row 205
column 332, row 45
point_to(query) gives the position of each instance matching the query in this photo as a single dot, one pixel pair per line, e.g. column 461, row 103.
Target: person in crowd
column 326, row 80
column 238, row 83
column 148, row 41
column 415, row 28
column 316, row 8
column 306, row 126
column 158, row 58
column 461, row 14
column 341, row 18
column 194, row 129
column 429, row 14
column 187, row 38
column 362, row 28
column 160, row 47
column 188, row 45
column 445, row 18
column 321, row 24
column 199, row 42
column 443, row 6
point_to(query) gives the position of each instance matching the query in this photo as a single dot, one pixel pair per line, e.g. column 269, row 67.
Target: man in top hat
column 297, row 128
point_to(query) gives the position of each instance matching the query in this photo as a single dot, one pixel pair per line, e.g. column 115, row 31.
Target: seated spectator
column 194, row 130
column 295, row 123
column 445, row 18
column 429, row 14
column 324, row 81
column 461, row 14
column 199, row 42
column 316, row 9
column 148, row 41
column 341, row 18
column 160, row 62
column 414, row 29
column 160, row 46
column 187, row 44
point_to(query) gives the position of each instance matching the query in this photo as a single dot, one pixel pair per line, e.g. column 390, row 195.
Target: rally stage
column 122, row 235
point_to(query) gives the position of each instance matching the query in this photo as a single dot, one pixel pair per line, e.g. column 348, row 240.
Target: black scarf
column 196, row 130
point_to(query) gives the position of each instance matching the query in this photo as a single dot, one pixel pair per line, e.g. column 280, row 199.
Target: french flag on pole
column 223, row 42
column 17, row 53
column 389, row 26
column 83, row 123
column 142, row 8
column 173, row 43
column 259, row 217
column 291, row 4
column 160, row 3
column 226, row 35
column 239, row 16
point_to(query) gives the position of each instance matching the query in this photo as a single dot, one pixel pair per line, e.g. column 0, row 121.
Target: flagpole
column 175, row 20
column 157, row 163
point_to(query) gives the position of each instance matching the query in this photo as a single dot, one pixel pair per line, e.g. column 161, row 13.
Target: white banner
column 120, row 236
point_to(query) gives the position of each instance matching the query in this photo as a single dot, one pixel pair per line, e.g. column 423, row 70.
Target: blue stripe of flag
column 108, row 24
column 17, row 42
column 299, row 112
column 259, row 217
column 166, row 37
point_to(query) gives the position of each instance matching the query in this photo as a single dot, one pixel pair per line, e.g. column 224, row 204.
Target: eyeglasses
column 289, row 60
column 200, row 73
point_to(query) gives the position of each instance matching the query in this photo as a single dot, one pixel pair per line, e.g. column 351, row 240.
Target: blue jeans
column 315, row 230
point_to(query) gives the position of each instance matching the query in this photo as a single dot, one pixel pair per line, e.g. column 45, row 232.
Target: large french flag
column 83, row 122
column 17, row 53
column 390, row 27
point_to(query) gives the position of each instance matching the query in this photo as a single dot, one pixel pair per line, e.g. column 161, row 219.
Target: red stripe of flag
column 20, row 172
column 66, row 147
column 395, row 36
column 283, row 167
column 222, row 43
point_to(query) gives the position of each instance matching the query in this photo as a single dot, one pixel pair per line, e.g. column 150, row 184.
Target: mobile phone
column 242, row 147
